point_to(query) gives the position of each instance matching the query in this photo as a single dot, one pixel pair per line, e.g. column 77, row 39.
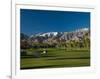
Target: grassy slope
column 58, row 58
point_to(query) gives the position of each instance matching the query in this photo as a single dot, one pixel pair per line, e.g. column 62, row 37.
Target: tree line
column 83, row 42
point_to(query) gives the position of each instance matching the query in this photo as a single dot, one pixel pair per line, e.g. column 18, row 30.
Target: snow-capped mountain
column 48, row 34
column 73, row 35
column 83, row 29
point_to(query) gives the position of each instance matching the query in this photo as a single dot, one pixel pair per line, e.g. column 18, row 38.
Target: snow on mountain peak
column 49, row 33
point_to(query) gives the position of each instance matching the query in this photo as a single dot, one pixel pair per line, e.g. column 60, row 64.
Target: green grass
column 56, row 58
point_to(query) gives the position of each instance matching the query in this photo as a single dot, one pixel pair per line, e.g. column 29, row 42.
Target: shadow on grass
column 30, row 56
column 69, row 58
column 49, row 66
column 53, row 66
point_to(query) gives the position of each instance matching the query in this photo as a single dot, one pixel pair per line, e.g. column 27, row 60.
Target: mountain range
column 53, row 36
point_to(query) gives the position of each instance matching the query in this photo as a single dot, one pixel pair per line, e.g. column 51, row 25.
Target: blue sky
column 39, row 21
